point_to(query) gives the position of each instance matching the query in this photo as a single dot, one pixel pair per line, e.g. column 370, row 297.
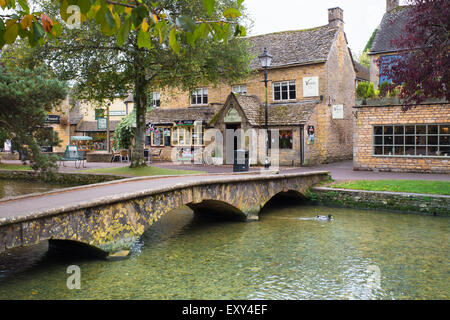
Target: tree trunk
column 140, row 103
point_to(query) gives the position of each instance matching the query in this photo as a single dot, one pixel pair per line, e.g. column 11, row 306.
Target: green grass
column 412, row 186
column 7, row 166
column 143, row 171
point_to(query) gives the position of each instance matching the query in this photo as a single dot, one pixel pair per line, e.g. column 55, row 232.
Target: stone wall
column 368, row 116
column 399, row 201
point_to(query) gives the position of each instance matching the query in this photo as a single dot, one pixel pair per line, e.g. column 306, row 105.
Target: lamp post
column 266, row 60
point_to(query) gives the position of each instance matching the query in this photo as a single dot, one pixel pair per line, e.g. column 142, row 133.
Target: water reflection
column 358, row 255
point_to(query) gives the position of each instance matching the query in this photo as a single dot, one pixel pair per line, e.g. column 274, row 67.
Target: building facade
column 310, row 98
column 389, row 139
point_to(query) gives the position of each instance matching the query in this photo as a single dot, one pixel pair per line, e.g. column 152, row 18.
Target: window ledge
column 411, row 157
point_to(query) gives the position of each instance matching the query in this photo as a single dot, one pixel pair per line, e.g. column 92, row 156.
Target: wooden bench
column 73, row 154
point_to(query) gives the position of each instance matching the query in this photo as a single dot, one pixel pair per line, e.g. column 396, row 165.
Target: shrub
column 384, row 88
column 370, row 91
column 361, row 90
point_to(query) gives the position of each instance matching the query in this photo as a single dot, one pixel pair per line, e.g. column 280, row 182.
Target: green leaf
column 209, row 6
column 239, row 2
column 124, row 31
column 11, row 33
column 24, row 5
column 2, row 25
column 231, row 13
column 85, row 5
column 144, row 40
column 173, row 41
column 186, row 23
column 110, row 19
column 38, row 31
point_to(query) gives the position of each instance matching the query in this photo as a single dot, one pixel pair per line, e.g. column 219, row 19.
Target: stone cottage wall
column 368, row 116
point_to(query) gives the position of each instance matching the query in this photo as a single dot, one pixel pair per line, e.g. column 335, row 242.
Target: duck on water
column 319, row 218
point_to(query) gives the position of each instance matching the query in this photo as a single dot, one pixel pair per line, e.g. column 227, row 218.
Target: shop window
column 160, row 137
column 431, row 140
column 285, row 139
column 284, row 91
column 199, row 97
column 188, row 136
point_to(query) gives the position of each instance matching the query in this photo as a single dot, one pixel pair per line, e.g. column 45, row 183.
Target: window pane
column 388, row 151
column 205, row 99
column 444, row 129
column 432, row 151
column 432, row 140
column 421, row 151
column 410, row 130
column 444, row 140
column 410, row 151
column 388, row 130
column 292, row 90
column 399, row 151
column 421, row 140
column 410, row 140
column 399, row 140
column 378, row 140
column 193, row 99
column 432, row 129
column 421, row 129
column 445, row 151
column 277, row 96
column 388, row 140
column 378, row 150
column 284, row 94
column 378, row 130
column 399, row 129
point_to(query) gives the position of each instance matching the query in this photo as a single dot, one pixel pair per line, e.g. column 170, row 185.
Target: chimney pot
column 336, row 17
column 392, row 4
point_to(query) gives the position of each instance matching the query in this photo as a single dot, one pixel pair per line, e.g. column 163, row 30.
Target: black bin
column 241, row 160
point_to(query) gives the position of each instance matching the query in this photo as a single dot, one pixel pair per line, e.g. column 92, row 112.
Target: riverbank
column 385, row 200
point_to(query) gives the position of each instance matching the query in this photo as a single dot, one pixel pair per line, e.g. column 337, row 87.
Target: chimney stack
column 392, row 4
column 336, row 17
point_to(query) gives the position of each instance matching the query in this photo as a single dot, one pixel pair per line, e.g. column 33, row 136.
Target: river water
column 358, row 255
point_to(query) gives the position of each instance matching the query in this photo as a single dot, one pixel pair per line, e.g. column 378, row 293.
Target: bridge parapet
column 113, row 224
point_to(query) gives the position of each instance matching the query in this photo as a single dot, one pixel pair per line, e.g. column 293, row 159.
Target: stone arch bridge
column 111, row 216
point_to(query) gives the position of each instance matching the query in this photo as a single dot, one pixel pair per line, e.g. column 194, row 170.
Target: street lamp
column 266, row 60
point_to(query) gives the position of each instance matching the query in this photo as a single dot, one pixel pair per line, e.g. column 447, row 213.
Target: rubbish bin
column 241, row 160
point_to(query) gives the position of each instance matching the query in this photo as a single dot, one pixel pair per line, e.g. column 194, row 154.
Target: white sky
column 361, row 17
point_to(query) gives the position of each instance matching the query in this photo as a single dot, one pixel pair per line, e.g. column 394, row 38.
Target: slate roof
column 91, row 126
column 278, row 114
column 167, row 116
column 392, row 26
column 294, row 47
column 361, row 71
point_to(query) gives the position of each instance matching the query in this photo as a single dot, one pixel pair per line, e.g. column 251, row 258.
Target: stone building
column 310, row 98
column 388, row 139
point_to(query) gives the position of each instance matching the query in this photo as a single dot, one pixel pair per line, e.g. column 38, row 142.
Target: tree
column 423, row 63
column 134, row 59
column 25, row 98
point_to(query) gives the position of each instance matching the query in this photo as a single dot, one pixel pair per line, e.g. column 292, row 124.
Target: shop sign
column 51, row 118
column 184, row 122
column 338, row 111
column 232, row 116
column 310, row 87
column 118, row 113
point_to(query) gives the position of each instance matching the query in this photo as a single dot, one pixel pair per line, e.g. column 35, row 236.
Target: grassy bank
column 142, row 171
column 411, row 186
column 7, row 166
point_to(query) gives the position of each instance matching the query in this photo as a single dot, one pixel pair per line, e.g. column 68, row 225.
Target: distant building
column 388, row 139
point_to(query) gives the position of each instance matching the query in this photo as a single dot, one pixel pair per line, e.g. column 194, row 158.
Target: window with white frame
column 199, row 97
column 239, row 89
column 285, row 90
column 156, row 99
column 430, row 140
